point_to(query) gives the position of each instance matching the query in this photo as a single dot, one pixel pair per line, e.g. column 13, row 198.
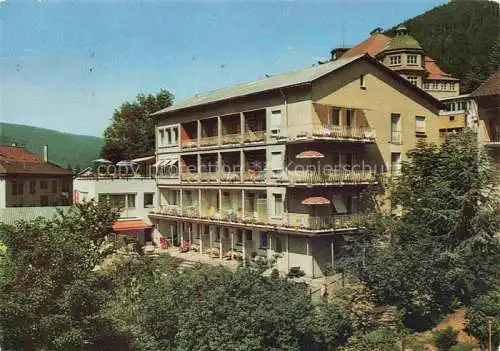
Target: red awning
column 310, row 154
column 130, row 225
column 315, row 200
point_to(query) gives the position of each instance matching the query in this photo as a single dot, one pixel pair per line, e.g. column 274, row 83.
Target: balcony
column 333, row 132
column 335, row 177
column 325, row 222
column 231, row 139
column 494, row 138
column 254, row 176
column 209, row 141
column 189, row 177
column 188, row 144
column 255, row 137
column 173, row 210
column 230, row 177
column 191, row 211
column 209, row 176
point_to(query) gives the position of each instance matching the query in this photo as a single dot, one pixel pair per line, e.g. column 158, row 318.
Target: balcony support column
column 172, row 234
column 288, row 252
column 244, row 244
column 210, row 238
column 332, row 252
column 242, row 163
column 232, row 242
column 198, row 133
column 181, row 232
column 200, row 235
column 219, row 130
column 180, row 201
column 243, row 204
column 220, row 242
column 242, row 128
column 220, row 203
column 199, row 202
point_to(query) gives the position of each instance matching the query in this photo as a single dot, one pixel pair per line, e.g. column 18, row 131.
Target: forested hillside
column 463, row 37
column 64, row 148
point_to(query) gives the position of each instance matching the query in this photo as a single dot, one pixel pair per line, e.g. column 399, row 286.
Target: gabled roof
column 372, row 46
column 490, row 87
column 17, row 160
column 292, row 79
column 435, row 72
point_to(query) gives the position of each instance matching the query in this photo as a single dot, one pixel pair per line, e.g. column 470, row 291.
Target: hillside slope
column 64, row 148
column 463, row 37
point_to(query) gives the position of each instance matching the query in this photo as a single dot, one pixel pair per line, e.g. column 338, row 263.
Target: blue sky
column 67, row 65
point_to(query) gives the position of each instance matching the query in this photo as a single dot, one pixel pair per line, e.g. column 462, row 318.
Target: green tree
column 50, row 295
column 436, row 242
column 131, row 131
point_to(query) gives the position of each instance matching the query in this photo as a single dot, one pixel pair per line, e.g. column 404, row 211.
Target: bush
column 462, row 347
column 477, row 325
column 445, row 339
column 295, row 272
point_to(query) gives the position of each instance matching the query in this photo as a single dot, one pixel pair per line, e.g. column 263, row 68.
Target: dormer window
column 413, row 80
column 412, row 60
column 395, row 60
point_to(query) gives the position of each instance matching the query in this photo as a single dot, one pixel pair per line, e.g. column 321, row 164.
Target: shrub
column 445, row 339
column 295, row 272
column 480, row 307
column 462, row 347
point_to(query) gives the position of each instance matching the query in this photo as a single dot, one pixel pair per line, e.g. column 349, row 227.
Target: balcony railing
column 254, row 176
column 230, row 177
column 230, row 139
column 290, row 220
column 189, row 144
column 255, row 136
column 169, row 210
column 344, row 132
column 209, row 176
column 335, row 177
column 189, row 177
column 209, row 141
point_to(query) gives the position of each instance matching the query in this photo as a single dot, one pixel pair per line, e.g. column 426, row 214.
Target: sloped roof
column 490, row 87
column 11, row 215
column 435, row 72
column 290, row 79
column 372, row 46
column 293, row 78
column 17, row 160
column 130, row 225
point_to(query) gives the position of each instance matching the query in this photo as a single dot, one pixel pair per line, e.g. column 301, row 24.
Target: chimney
column 14, row 144
column 377, row 30
column 337, row 53
column 45, row 153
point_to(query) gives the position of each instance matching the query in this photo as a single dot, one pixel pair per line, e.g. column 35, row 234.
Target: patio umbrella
column 310, row 154
column 315, row 200
column 125, row 163
column 102, row 160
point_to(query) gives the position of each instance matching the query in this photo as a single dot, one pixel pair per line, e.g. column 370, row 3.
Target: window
column 278, row 205
column 130, row 200
column 362, row 81
column 395, row 60
column 435, row 86
column 413, row 80
column 412, row 59
column 444, row 86
column 420, row 125
column 264, row 240
column 169, row 136
column 279, row 244
column 175, row 137
column 349, row 118
column 275, row 121
column 335, row 116
column 239, row 237
column 395, row 128
column 276, row 163
column 148, row 200
column 395, row 162
column 44, row 184
column 162, row 137
column 54, row 186
column 349, row 161
column 44, row 200
column 248, row 235
column 33, row 187
column 427, row 86
column 65, row 186
column 452, row 118
column 20, row 188
column 14, row 188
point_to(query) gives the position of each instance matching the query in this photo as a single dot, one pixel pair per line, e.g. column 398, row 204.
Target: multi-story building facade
column 486, row 112
column 456, row 115
column 130, row 186
column 28, row 181
column 275, row 167
column 404, row 54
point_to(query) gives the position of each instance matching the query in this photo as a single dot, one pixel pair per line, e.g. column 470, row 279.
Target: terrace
column 209, row 168
column 189, row 168
column 231, row 129
column 189, row 135
column 209, row 132
column 231, row 167
column 255, row 126
column 254, row 166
